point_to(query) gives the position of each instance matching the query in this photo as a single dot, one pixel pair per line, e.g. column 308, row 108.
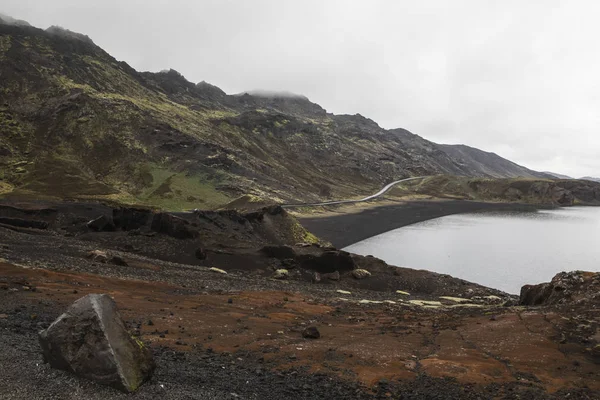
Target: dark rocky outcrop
column 24, row 223
column 282, row 252
column 564, row 288
column 173, row 226
column 90, row 340
column 102, row 224
column 329, row 262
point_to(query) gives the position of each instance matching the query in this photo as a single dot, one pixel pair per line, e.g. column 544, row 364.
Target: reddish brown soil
column 367, row 343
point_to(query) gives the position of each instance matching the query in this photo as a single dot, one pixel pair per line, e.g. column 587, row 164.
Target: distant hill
column 565, row 192
column 558, row 176
column 76, row 123
column 591, row 178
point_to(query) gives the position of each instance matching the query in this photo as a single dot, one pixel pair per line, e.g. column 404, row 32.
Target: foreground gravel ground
column 238, row 335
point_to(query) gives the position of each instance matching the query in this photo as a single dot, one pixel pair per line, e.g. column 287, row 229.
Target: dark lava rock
column 200, row 253
column 118, row 261
column 329, row 262
column 334, row 276
column 311, row 333
column 279, row 252
column 90, row 340
column 102, row 224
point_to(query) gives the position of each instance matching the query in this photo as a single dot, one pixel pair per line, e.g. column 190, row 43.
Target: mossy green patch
column 178, row 191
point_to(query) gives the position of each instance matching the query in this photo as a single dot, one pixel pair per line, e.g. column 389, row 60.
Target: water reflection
column 504, row 250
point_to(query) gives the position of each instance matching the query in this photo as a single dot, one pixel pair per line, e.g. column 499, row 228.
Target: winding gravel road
column 327, row 203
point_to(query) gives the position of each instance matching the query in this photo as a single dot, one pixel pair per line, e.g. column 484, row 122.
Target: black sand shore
column 345, row 229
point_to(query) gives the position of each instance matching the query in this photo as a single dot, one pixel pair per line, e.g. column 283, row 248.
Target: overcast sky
column 520, row 78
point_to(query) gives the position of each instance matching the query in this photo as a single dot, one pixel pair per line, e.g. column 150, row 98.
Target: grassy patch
column 181, row 191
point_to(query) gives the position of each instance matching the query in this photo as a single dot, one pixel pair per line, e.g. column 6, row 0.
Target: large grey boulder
column 90, row 340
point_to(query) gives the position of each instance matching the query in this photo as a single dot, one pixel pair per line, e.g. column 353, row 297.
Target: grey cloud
column 517, row 78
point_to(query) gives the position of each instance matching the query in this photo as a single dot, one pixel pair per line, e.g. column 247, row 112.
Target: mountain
column 5, row 19
column 481, row 163
column 76, row 123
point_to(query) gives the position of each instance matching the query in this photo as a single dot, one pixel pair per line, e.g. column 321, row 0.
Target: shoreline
column 348, row 227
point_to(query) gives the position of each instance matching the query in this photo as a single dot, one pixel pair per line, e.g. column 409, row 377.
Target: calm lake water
column 503, row 250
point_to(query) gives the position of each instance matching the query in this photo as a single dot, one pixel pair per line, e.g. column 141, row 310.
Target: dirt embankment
column 397, row 333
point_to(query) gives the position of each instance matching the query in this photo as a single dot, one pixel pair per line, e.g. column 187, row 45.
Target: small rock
column 311, row 332
column 334, row 276
column 281, row 274
column 360, row 273
column 117, row 260
column 316, row 277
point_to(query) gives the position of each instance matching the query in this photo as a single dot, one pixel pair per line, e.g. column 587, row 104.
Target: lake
column 502, row 250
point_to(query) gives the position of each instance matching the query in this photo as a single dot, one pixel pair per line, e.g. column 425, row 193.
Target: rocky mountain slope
column 76, row 123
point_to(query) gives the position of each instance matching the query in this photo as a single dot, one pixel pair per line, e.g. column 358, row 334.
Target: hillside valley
column 78, row 124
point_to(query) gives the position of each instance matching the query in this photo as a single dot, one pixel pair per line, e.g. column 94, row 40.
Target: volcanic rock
column 334, row 276
column 329, row 261
column 118, row 260
column 90, row 340
column 565, row 287
column 311, row 332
